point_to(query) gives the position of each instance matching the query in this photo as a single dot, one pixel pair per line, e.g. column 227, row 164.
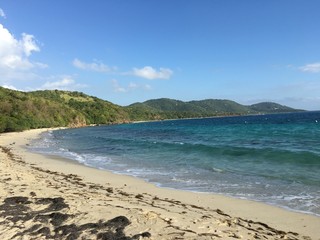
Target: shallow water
column 269, row 158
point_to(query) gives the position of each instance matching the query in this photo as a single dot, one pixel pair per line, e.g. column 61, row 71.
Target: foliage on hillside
column 95, row 110
column 21, row 110
column 168, row 108
column 271, row 107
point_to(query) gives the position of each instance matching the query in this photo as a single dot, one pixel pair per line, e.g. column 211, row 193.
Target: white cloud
column 2, row 14
column 15, row 53
column 10, row 87
column 28, row 44
column 145, row 72
column 94, row 66
column 117, row 87
column 129, row 88
column 151, row 73
column 313, row 67
column 59, row 84
column 132, row 86
column 66, row 83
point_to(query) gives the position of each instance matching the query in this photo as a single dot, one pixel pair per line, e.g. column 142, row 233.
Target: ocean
column 273, row 159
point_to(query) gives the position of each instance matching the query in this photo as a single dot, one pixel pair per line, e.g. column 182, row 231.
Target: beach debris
column 49, row 222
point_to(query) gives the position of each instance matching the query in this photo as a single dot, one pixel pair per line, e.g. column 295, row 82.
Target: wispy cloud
column 151, row 73
column 94, row 66
column 117, row 87
column 2, row 14
column 146, row 72
column 130, row 87
column 313, row 67
column 65, row 83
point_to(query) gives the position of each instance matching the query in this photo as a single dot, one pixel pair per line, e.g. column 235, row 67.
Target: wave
column 270, row 164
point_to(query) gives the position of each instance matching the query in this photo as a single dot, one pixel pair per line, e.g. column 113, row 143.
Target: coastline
column 139, row 209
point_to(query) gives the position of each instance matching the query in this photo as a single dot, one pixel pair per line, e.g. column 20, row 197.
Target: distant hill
column 270, row 107
column 28, row 110
column 170, row 108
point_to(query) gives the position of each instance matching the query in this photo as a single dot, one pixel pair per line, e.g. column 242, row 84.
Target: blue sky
column 131, row 51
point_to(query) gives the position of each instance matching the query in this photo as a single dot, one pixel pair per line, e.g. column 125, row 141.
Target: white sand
column 59, row 192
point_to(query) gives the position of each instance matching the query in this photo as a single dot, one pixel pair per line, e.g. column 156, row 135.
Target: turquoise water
column 270, row 158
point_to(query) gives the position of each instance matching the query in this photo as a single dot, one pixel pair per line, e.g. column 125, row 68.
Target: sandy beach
column 46, row 197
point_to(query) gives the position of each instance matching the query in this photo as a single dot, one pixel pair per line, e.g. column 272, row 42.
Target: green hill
column 39, row 109
column 169, row 108
column 94, row 110
column 271, row 107
column 21, row 110
column 222, row 107
column 165, row 108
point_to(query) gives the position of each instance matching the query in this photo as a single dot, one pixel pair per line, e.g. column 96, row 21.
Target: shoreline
column 153, row 212
column 220, row 116
column 160, row 184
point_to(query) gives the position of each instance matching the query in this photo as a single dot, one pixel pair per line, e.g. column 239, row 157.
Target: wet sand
column 45, row 197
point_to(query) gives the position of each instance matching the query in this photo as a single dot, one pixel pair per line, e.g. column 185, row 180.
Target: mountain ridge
column 209, row 107
column 56, row 108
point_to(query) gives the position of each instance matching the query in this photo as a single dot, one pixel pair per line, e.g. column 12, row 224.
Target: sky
column 127, row 51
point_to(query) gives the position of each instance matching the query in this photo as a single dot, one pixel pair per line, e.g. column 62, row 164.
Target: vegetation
column 20, row 110
column 168, row 108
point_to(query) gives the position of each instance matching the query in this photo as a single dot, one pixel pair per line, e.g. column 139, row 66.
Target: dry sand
column 45, row 197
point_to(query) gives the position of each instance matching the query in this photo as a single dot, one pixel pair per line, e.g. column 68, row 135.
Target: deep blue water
column 269, row 158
